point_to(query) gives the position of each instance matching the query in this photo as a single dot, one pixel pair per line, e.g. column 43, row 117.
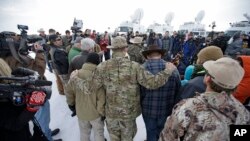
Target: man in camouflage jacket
column 120, row 78
column 207, row 117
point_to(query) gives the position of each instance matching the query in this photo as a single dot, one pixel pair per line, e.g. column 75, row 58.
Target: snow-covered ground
column 61, row 118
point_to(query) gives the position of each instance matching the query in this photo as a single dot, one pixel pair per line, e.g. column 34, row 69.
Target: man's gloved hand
column 35, row 100
column 73, row 109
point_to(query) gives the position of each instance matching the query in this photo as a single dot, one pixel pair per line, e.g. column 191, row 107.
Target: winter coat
column 78, row 61
column 59, row 59
column 189, row 49
column 234, row 48
column 175, row 45
column 38, row 64
column 166, row 43
column 206, row 117
column 74, row 51
column 243, row 90
column 88, row 106
column 191, row 88
column 14, row 124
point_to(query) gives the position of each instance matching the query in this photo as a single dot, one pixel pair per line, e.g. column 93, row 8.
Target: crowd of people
column 186, row 88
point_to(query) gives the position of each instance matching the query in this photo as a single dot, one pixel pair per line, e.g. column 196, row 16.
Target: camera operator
column 37, row 64
column 23, row 59
column 14, row 118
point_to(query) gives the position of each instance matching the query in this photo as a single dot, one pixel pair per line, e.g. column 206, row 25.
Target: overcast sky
column 101, row 14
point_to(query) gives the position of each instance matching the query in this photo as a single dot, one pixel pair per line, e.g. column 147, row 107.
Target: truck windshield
column 124, row 29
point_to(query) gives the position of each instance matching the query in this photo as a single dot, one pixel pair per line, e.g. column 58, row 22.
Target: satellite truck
column 242, row 26
column 196, row 27
column 131, row 26
column 162, row 28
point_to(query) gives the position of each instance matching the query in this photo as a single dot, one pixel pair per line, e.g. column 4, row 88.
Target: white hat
column 40, row 30
column 225, row 72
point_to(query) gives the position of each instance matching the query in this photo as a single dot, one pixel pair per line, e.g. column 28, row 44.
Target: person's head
column 223, row 74
column 190, row 35
column 67, row 32
column 41, row 31
column 77, row 42
column 118, row 44
column 87, row 44
column 87, row 32
column 55, row 40
column 209, row 53
column 153, row 52
column 52, row 31
column 174, row 33
column 137, row 33
column 166, row 34
column 93, row 58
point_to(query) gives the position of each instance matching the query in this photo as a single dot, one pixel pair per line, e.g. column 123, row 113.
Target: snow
column 69, row 130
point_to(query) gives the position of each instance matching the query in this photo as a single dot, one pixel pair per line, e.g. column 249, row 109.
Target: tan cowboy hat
column 136, row 40
column 153, row 48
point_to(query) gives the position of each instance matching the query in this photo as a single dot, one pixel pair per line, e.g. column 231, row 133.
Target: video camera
column 24, row 83
column 9, row 44
column 77, row 25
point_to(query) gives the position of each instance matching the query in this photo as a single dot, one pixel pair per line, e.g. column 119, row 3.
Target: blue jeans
column 154, row 127
column 43, row 118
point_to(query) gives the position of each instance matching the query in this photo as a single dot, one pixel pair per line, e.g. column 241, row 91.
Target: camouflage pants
column 121, row 130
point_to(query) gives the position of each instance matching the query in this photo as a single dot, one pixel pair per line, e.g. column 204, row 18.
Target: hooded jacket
column 242, row 92
column 206, row 117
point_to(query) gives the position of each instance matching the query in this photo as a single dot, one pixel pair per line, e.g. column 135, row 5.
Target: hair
column 219, row 89
column 240, row 61
column 87, row 43
column 67, row 31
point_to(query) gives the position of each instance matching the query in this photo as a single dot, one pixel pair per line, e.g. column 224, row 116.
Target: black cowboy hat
column 153, row 48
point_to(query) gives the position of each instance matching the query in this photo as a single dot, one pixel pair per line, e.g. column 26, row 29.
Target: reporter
column 14, row 120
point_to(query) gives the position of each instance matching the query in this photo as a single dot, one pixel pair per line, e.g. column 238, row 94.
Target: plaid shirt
column 159, row 102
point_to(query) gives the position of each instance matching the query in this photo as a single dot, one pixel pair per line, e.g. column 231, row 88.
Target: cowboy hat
column 40, row 30
column 136, row 40
column 153, row 48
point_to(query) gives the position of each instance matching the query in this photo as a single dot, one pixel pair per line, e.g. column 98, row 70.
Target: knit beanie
column 93, row 58
column 209, row 53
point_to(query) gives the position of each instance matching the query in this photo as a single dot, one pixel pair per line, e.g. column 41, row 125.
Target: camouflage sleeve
column 177, row 123
column 101, row 101
column 150, row 81
column 97, row 81
column 70, row 92
column 39, row 64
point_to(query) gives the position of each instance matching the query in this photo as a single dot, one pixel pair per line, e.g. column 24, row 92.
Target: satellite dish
column 169, row 17
column 137, row 16
column 247, row 16
column 200, row 16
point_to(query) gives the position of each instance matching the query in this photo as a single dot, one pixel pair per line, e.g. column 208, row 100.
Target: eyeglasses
column 59, row 39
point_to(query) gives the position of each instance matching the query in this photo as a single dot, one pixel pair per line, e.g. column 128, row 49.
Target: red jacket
column 243, row 90
column 103, row 44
